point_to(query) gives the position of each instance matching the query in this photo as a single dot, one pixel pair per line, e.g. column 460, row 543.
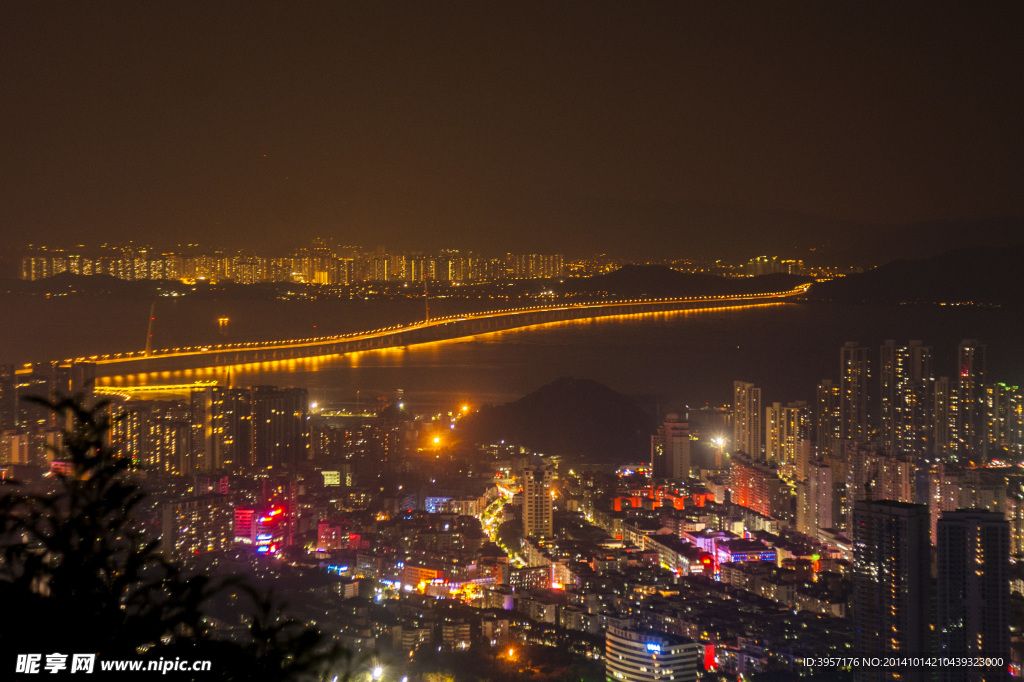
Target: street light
column 719, row 443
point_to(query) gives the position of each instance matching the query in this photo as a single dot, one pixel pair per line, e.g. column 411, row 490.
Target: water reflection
column 690, row 356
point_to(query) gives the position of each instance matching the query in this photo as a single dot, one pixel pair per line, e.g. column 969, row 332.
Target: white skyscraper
column 746, row 425
column 537, row 506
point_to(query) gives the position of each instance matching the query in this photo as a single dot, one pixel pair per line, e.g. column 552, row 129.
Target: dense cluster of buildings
column 900, row 404
column 326, row 264
column 895, row 597
column 407, row 546
column 825, row 530
column 214, row 429
column 914, row 478
column 319, row 264
column 898, row 434
column 773, row 265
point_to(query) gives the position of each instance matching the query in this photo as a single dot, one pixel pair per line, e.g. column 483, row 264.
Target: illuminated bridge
column 439, row 329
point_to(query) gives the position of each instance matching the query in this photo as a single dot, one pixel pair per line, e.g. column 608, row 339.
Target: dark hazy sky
column 497, row 126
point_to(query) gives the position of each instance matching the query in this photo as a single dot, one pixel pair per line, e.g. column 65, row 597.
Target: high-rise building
column 169, row 433
column 393, row 435
column 854, row 374
column 827, row 418
column 805, row 521
column 34, row 447
column 353, row 451
column 39, row 384
column 1004, row 429
column 890, row 477
column 905, row 400
column 969, row 426
column 890, row 585
column 35, row 267
column 129, row 429
column 1015, row 515
column 197, row 525
column 888, row 396
column 648, row 656
column 532, row 265
column 222, row 429
column 280, row 427
column 951, row 488
column 820, row 504
column 973, row 602
column 538, row 511
column 670, row 449
column 746, row 425
column 8, row 398
column 944, row 409
column 787, row 438
column 201, row 421
column 943, row 494
column 842, row 498
column 756, row 486
column 82, row 378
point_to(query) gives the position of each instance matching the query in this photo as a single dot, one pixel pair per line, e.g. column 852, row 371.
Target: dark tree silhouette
column 77, row 576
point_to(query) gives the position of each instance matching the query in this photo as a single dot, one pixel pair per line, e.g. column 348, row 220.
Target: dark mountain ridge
column 658, row 281
column 677, row 229
column 580, row 419
column 991, row 277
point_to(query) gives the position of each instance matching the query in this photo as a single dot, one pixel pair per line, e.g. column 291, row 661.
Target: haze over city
column 549, row 341
column 676, row 127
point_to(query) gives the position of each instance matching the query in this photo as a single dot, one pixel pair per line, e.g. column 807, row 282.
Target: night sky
column 631, row 127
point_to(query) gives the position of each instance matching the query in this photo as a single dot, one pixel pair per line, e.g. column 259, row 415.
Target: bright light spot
column 465, row 408
column 437, row 439
column 377, row 672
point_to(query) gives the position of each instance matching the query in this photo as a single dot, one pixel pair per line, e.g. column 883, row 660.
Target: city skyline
column 459, row 341
column 262, row 476
column 320, row 263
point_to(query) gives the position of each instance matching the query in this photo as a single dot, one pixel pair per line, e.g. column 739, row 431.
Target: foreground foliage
column 78, row 576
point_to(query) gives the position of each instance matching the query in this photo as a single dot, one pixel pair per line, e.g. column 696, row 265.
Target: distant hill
column 67, row 283
column 880, row 244
column 677, row 229
column 980, row 276
column 580, row 419
column 658, row 281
